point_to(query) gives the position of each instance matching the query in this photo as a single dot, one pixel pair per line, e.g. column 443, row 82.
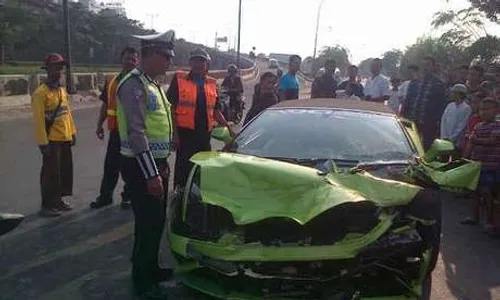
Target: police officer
column 145, row 128
column 196, row 105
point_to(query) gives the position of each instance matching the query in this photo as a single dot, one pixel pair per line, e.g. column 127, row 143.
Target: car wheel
column 426, row 288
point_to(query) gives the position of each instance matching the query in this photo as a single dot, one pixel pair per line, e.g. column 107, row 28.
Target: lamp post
column 239, row 35
column 317, row 28
column 67, row 44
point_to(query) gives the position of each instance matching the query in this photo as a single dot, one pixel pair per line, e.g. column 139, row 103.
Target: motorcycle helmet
column 200, row 53
column 232, row 68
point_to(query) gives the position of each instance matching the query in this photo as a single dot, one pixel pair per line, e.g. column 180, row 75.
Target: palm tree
column 490, row 7
column 464, row 26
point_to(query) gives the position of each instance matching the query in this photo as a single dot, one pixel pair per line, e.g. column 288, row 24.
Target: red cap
column 53, row 59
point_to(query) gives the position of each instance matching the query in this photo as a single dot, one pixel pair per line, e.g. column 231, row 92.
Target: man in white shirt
column 377, row 87
column 456, row 116
column 396, row 96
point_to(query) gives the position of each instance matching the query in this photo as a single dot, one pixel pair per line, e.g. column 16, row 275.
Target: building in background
column 280, row 57
column 117, row 6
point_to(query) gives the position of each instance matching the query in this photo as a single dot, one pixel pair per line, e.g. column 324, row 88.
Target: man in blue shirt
column 289, row 85
column 357, row 88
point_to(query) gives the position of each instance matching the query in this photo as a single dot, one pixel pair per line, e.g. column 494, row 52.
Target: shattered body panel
column 284, row 237
column 248, row 227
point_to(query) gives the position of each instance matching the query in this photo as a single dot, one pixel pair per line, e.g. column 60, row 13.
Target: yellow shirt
column 43, row 102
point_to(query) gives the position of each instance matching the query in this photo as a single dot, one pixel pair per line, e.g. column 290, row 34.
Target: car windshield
column 300, row 133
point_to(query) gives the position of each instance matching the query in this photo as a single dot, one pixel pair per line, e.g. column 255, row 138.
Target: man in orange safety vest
column 129, row 60
column 194, row 98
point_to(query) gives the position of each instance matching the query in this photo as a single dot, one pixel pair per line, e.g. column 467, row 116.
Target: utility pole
column 153, row 18
column 239, row 35
column 67, row 43
column 317, row 28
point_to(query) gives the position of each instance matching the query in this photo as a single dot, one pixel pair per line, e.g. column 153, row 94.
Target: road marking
column 72, row 288
column 98, row 241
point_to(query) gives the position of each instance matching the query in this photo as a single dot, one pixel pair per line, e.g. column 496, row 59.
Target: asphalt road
column 85, row 254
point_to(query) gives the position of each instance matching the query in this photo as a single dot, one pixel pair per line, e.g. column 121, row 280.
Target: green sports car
column 316, row 199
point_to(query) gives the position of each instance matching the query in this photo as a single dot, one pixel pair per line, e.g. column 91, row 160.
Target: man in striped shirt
column 484, row 146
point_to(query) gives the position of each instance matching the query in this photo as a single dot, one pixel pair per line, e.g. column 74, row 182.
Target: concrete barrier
column 23, row 84
column 14, row 85
column 16, row 90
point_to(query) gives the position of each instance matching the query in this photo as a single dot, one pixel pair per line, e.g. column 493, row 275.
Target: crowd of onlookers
column 459, row 104
column 462, row 106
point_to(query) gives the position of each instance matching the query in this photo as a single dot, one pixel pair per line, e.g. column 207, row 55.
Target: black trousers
column 429, row 133
column 112, row 169
column 191, row 142
column 150, row 215
column 56, row 177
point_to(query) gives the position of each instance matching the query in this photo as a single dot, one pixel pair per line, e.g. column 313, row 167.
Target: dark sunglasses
column 165, row 55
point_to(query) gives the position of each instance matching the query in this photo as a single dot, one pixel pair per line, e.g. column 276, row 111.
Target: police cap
column 162, row 42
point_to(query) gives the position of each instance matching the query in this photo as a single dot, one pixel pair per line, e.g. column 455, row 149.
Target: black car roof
column 344, row 104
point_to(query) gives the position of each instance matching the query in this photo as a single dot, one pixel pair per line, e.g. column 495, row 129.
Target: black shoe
column 100, row 202
column 163, row 274
column 152, row 293
column 50, row 212
column 125, row 204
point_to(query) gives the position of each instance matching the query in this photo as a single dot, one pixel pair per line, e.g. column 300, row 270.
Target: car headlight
column 203, row 221
column 194, row 208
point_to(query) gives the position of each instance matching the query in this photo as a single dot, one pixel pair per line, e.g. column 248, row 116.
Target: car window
column 324, row 133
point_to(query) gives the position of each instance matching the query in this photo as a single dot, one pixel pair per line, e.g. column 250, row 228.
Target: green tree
column 338, row 53
column 446, row 54
column 13, row 22
column 463, row 27
column 29, row 33
column 488, row 48
column 490, row 7
column 391, row 61
column 364, row 67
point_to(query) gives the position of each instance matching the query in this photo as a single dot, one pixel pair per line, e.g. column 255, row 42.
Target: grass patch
column 35, row 69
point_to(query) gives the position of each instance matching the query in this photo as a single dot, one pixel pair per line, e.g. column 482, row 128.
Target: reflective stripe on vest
column 61, row 112
column 111, row 105
column 186, row 106
column 158, row 118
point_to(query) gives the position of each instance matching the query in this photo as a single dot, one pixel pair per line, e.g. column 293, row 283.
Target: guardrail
column 22, row 84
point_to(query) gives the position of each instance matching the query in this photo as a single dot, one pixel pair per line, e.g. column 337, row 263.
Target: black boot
column 163, row 274
column 101, row 202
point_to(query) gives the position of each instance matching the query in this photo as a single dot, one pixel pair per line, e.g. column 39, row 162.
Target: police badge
column 152, row 103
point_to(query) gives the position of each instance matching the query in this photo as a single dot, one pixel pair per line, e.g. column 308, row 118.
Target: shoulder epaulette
column 135, row 72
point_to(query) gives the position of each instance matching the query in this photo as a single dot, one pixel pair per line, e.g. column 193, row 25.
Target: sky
column 367, row 28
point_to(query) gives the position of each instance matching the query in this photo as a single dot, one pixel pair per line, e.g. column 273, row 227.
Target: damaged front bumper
column 357, row 267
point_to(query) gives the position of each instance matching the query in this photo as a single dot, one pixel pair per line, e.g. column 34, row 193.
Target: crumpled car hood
column 254, row 189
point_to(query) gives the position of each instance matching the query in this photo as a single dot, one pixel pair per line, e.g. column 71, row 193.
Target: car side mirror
column 438, row 148
column 9, row 222
column 221, row 134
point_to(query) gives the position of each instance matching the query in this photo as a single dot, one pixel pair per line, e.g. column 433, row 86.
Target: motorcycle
column 9, row 221
column 232, row 114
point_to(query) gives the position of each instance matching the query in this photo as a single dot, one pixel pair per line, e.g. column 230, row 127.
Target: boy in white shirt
column 456, row 116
